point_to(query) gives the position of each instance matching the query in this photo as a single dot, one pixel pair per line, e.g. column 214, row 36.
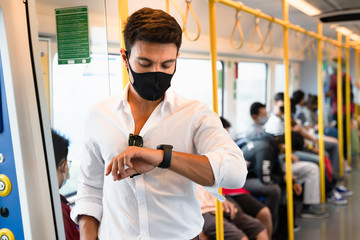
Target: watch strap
column 167, row 155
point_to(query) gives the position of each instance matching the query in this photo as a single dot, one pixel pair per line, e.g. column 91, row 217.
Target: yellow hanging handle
column 256, row 31
column 238, row 26
column 298, row 42
column 189, row 7
column 177, row 8
column 268, row 36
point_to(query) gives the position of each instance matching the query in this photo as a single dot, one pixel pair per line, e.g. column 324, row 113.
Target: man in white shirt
column 145, row 151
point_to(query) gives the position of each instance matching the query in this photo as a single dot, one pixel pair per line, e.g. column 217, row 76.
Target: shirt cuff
column 86, row 208
column 216, row 168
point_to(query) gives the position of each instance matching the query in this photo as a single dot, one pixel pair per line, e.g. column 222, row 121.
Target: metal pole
column 168, row 6
column 321, row 117
column 356, row 81
column 289, row 185
column 339, row 106
column 347, row 98
column 213, row 55
column 123, row 15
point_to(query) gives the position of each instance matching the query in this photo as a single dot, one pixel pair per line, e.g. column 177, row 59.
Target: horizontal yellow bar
column 240, row 6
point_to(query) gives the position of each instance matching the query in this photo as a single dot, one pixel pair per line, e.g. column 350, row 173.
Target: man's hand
column 230, row 208
column 297, row 189
column 134, row 160
column 294, row 158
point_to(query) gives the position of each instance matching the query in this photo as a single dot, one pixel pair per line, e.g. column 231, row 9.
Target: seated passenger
column 237, row 224
column 259, row 116
column 275, row 126
column 330, row 133
column 299, row 101
column 63, row 173
column 246, row 202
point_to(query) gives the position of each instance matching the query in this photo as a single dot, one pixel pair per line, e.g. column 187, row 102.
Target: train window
column 193, row 80
column 250, row 87
column 75, row 87
column 280, row 78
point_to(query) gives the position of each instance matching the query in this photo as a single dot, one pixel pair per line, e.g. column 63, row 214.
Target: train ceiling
column 226, row 15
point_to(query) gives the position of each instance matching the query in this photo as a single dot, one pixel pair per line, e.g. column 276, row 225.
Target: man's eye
column 166, row 66
column 145, row 64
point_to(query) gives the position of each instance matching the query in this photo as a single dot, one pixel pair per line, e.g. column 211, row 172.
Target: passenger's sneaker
column 296, row 228
column 337, row 199
column 344, row 191
column 313, row 214
column 347, row 167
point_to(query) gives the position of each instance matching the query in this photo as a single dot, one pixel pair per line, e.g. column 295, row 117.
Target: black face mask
column 151, row 85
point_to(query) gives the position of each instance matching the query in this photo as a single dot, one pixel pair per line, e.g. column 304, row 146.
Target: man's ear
column 124, row 57
column 63, row 166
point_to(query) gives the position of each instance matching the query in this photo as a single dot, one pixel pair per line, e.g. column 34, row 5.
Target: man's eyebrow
column 148, row 60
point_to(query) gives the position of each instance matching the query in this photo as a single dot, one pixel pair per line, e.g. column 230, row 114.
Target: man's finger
column 109, row 167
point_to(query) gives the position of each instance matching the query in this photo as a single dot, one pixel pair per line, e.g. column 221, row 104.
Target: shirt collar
column 168, row 104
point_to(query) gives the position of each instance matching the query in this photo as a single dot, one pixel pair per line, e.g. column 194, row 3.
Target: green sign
column 72, row 30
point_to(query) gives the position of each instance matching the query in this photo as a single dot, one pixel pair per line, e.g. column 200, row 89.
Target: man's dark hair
column 151, row 25
column 255, row 108
column 298, row 96
column 225, row 122
column 61, row 145
column 279, row 97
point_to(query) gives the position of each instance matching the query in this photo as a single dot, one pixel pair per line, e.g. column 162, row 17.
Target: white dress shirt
column 160, row 204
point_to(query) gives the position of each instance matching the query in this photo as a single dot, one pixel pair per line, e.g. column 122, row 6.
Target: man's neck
column 136, row 101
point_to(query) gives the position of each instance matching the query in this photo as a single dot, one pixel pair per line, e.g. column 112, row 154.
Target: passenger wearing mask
column 61, row 145
column 259, row 116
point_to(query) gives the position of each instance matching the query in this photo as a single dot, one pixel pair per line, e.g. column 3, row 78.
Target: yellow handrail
column 167, row 6
column 238, row 26
column 339, row 106
column 256, row 30
column 189, row 7
column 321, row 117
column 356, row 81
column 288, row 161
column 347, row 98
column 213, row 55
column 123, row 15
column 242, row 7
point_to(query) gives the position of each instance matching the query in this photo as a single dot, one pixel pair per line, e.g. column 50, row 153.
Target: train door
column 29, row 197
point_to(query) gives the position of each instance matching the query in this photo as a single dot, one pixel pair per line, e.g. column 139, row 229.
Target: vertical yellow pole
column 321, row 117
column 347, row 98
column 288, row 161
column 213, row 55
column 167, row 6
column 339, row 105
column 123, row 15
column 355, row 81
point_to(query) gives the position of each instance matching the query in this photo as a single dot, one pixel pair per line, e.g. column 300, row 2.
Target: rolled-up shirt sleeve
column 225, row 157
column 90, row 188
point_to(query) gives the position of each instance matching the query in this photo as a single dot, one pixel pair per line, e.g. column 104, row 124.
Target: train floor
column 342, row 224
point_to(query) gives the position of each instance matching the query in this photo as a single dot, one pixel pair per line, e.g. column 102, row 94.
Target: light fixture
column 304, row 7
column 344, row 31
column 354, row 37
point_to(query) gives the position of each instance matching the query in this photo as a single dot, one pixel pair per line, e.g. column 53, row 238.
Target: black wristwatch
column 167, row 155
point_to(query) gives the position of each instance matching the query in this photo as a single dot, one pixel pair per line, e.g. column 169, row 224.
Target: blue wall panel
column 13, row 222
